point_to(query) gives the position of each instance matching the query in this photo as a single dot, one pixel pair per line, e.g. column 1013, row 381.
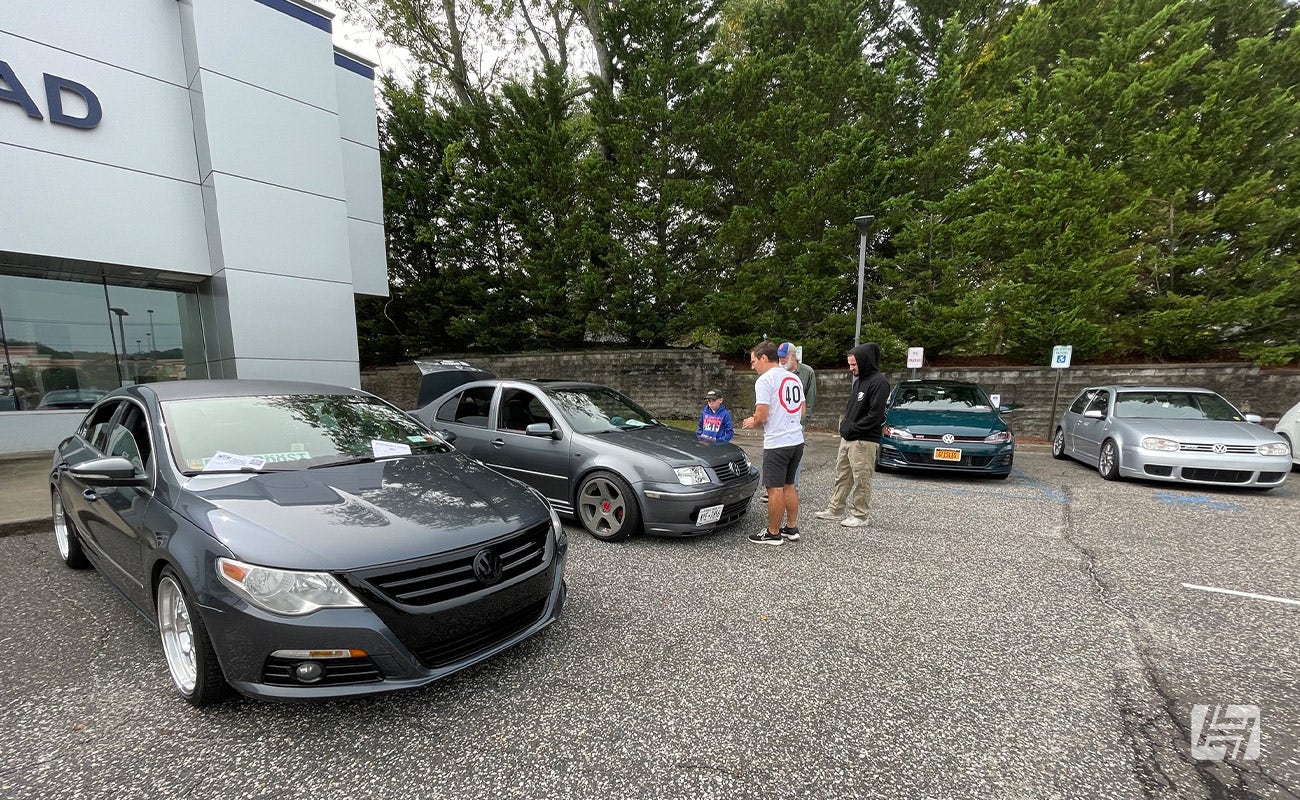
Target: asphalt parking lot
column 1032, row 638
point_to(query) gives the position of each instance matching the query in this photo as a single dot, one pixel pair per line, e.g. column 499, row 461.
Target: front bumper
column 674, row 510
column 1204, row 468
column 976, row 457
column 479, row 627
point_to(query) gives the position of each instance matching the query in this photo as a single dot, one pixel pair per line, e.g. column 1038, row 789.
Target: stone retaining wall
column 672, row 383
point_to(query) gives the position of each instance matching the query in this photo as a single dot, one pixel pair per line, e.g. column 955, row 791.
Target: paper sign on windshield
column 380, row 448
column 222, row 460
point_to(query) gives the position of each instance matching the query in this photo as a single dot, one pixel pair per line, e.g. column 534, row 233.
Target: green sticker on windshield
column 297, row 456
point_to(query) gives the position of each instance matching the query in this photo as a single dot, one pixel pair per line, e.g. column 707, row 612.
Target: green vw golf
column 950, row 426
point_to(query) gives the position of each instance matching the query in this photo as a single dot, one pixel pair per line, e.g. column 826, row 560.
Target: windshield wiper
column 341, row 462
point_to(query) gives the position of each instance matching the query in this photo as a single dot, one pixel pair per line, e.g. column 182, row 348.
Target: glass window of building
column 64, row 344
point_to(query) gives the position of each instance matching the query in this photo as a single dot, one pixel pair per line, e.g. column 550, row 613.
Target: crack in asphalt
column 1141, row 728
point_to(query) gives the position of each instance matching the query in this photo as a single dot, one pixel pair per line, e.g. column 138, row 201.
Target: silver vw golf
column 1170, row 433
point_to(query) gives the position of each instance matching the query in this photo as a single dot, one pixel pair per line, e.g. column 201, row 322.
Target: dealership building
column 188, row 189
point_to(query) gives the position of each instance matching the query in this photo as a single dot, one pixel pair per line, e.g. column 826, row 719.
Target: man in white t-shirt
column 778, row 407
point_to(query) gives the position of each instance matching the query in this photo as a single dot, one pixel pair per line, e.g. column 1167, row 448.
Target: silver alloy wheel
column 1106, row 461
column 602, row 506
column 1058, row 443
column 177, row 635
column 60, row 525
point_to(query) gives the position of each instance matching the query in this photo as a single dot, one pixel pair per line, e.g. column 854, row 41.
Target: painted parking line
column 1196, row 500
column 1270, row 598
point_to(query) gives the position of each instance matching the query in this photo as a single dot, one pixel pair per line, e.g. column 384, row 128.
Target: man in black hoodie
column 855, row 465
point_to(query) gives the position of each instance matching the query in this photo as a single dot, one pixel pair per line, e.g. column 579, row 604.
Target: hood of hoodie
column 868, row 358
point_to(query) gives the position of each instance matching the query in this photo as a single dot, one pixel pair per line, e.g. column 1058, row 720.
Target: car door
column 466, row 414
column 1089, row 431
column 539, row 461
column 87, row 444
column 1071, row 417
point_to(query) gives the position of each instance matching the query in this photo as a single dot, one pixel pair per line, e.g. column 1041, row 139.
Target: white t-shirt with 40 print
column 782, row 392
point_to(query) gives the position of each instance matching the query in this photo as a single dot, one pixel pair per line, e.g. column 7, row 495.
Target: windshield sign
column 219, row 434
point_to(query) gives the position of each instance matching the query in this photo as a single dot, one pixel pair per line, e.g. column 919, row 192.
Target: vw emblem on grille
column 1219, row 449
column 734, row 467
column 487, row 567
column 948, row 438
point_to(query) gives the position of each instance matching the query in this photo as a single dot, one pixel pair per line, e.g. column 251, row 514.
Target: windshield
column 289, row 432
column 942, row 397
column 597, row 410
column 1175, row 405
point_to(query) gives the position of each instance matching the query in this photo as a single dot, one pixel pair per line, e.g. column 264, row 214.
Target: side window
column 94, row 429
column 133, row 420
column 1081, row 402
column 470, row 407
column 121, row 443
column 519, row 409
column 1099, row 403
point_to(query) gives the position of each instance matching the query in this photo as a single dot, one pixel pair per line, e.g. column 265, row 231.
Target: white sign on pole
column 915, row 357
column 996, row 400
column 1061, row 356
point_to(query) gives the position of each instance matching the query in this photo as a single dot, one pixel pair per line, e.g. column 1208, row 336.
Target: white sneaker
column 853, row 522
column 826, row 515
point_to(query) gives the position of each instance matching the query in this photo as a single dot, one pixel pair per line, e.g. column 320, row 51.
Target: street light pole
column 121, row 330
column 864, row 228
column 153, row 339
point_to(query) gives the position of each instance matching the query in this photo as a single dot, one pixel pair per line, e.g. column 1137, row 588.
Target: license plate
column 709, row 515
column 946, row 454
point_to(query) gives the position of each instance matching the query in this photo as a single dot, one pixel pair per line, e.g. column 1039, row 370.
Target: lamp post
column 121, row 331
column 864, row 228
column 153, row 339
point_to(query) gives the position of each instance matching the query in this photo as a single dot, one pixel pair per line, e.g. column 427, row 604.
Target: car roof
column 935, row 382
column 1143, row 387
column 192, row 390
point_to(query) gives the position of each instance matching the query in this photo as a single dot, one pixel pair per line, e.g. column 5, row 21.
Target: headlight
column 282, row 591
column 692, row 476
column 898, row 433
column 1157, row 443
column 998, row 437
column 1274, row 449
column 561, row 538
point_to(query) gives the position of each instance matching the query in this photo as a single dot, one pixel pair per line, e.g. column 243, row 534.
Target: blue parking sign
column 1061, row 356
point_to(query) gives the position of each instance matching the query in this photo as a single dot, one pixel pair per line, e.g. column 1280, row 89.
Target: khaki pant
column 855, row 466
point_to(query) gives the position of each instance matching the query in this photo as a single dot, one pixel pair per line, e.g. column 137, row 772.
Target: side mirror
column 1006, row 409
column 543, row 430
column 1255, row 418
column 1093, row 413
column 113, row 471
column 447, row 436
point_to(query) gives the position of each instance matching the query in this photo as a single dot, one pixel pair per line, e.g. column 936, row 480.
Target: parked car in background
column 298, row 540
column 949, row 426
column 1288, row 427
column 597, row 455
column 69, row 399
column 1170, row 433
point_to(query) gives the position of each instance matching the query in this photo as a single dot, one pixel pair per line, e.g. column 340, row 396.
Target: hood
column 1203, row 431
column 868, row 358
column 362, row 515
column 958, row 423
column 669, row 444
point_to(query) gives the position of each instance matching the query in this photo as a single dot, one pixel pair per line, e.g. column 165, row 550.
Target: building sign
column 13, row 91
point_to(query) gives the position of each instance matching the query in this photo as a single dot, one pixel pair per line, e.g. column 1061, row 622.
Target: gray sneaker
column 853, row 522
column 827, row 515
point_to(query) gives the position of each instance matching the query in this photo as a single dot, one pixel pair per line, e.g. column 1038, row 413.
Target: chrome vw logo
column 1219, row 449
column 487, row 567
column 734, row 467
column 948, row 438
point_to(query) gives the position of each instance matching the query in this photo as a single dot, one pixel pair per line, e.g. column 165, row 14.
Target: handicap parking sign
column 1061, row 356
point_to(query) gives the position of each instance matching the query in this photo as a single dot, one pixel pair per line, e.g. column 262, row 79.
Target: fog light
column 308, row 671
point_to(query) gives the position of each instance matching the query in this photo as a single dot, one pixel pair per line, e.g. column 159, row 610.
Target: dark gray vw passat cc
column 298, row 540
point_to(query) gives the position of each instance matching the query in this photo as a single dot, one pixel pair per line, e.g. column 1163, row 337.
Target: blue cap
column 784, row 350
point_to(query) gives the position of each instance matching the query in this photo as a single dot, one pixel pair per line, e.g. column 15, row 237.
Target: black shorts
column 780, row 465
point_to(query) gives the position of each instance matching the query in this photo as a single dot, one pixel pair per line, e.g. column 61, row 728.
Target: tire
column 1058, row 445
column 607, row 508
column 66, row 538
column 1294, row 466
column 187, row 649
column 1108, row 460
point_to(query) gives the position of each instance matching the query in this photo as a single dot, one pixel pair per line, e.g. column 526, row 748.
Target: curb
column 23, row 527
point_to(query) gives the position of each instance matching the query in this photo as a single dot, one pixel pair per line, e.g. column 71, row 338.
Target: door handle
column 498, row 442
column 90, row 495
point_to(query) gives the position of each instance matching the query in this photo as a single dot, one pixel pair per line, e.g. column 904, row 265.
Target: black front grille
column 446, row 651
column 928, row 460
column 338, row 671
column 733, row 511
column 1216, row 475
column 1270, row 477
column 733, row 471
column 447, row 577
column 1157, row 469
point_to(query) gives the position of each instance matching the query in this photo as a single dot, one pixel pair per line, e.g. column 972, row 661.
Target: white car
column 1289, row 428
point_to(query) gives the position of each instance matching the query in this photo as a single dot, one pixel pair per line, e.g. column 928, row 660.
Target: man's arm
column 759, row 418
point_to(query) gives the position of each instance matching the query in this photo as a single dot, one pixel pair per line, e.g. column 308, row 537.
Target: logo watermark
column 1229, row 732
